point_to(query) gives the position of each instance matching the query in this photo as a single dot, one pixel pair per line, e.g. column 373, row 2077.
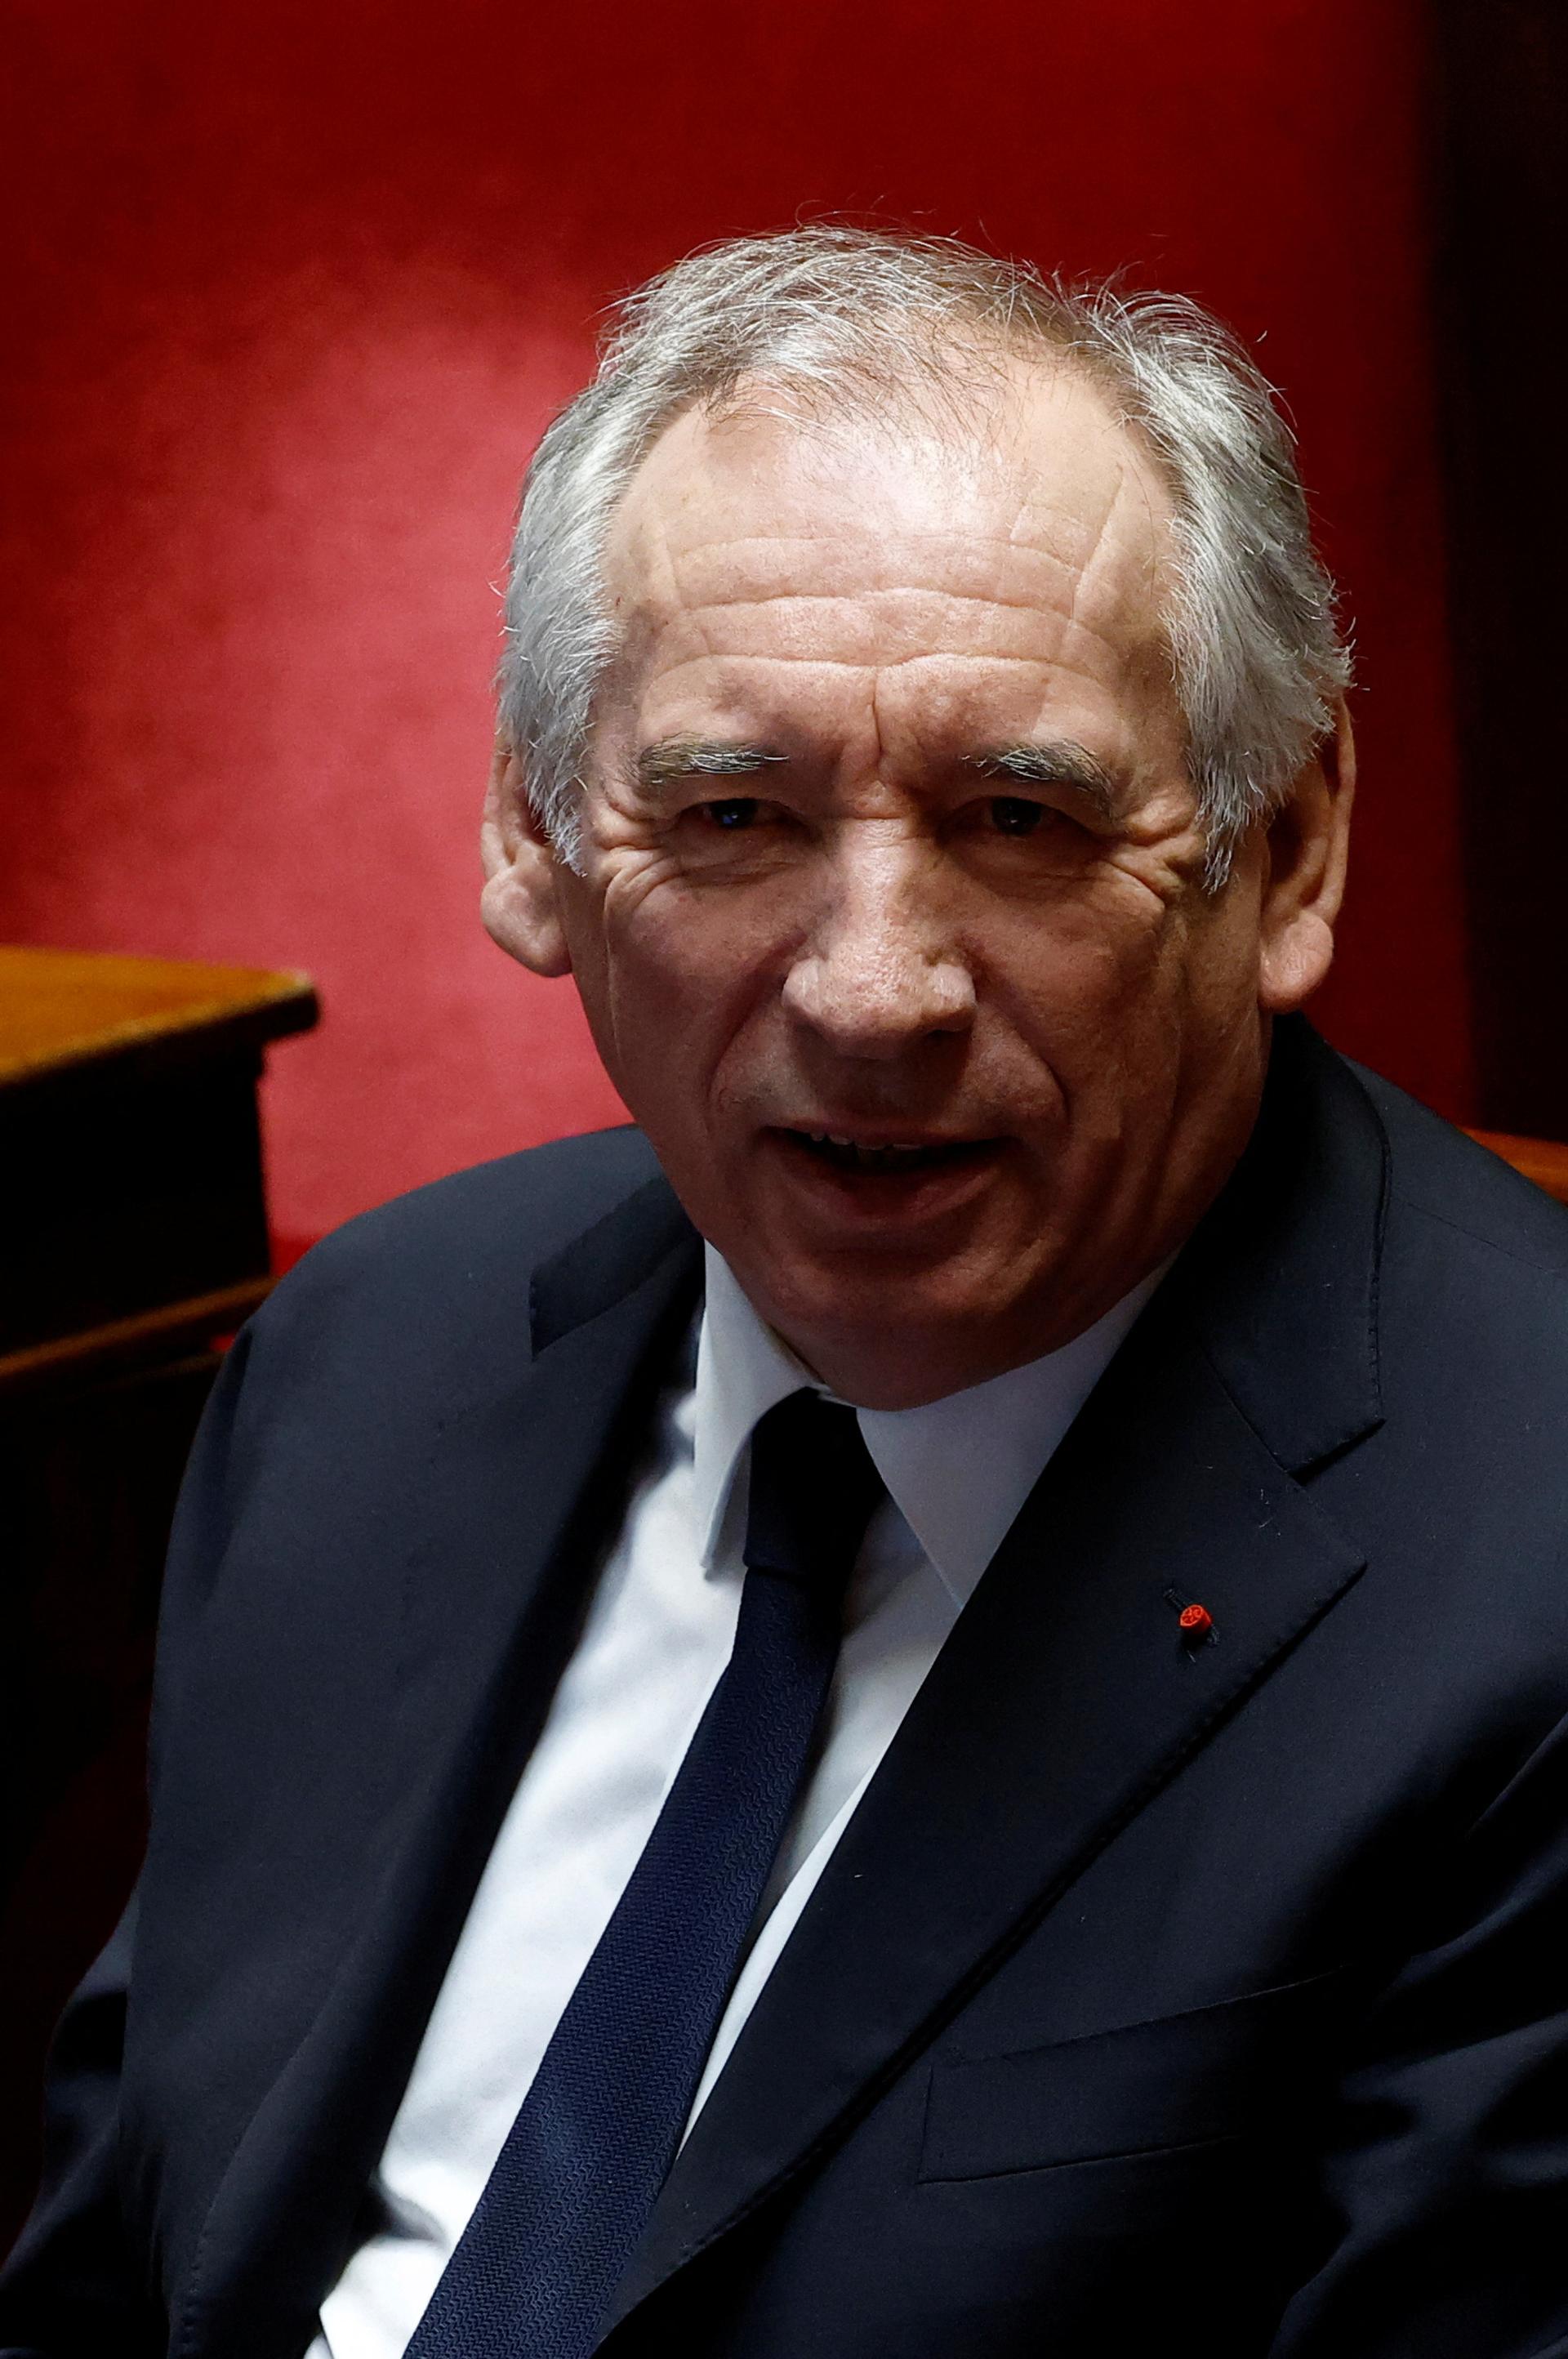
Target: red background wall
column 295, row 290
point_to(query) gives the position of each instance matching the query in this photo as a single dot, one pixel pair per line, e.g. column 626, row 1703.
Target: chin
column 885, row 1317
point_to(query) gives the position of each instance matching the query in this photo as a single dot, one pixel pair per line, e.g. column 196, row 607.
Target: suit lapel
column 519, row 1496
column 1065, row 1697
column 1064, row 1689
column 1063, row 1701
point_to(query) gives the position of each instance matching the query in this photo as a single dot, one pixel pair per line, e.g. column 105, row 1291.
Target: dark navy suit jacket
column 1158, row 1995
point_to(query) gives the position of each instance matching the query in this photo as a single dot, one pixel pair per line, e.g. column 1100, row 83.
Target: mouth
column 887, row 1158
column 871, row 1188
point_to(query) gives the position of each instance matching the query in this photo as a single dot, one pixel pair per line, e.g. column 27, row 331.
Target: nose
column 880, row 971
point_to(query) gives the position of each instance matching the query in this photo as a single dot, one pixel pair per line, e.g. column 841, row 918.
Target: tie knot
column 813, row 1488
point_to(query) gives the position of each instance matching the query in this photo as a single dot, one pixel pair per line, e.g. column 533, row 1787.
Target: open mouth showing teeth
column 849, row 1155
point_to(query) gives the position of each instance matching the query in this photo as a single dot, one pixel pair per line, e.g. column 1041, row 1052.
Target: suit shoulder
column 456, row 1256
column 1438, row 1174
column 1473, row 1309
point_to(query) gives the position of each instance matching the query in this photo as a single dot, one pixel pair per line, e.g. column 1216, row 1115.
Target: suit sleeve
column 1446, row 2167
column 71, row 2289
column 74, row 2287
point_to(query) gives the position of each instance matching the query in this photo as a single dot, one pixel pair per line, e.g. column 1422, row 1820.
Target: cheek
column 680, row 981
column 1086, row 972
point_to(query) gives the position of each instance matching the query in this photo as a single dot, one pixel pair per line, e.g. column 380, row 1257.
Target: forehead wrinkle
column 708, row 554
column 1084, row 579
column 1011, row 427
column 1052, row 707
column 887, row 663
column 1073, row 646
column 663, row 566
column 639, row 622
column 1088, row 588
column 1093, row 575
column 1129, row 454
column 888, row 627
column 839, row 597
column 1059, row 626
column 1089, row 582
column 947, row 535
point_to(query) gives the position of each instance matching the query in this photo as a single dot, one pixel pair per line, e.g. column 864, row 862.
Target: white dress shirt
column 655, row 1641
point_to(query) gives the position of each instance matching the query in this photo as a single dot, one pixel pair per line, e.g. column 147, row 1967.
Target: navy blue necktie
column 536, row 2269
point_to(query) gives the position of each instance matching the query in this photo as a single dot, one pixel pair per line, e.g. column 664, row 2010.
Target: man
column 919, row 1708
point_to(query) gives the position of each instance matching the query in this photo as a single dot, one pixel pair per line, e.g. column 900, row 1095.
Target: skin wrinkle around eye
column 1063, row 764
column 1058, row 764
column 670, row 761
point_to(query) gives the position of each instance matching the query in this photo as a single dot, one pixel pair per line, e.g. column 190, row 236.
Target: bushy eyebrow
column 701, row 757
column 1058, row 762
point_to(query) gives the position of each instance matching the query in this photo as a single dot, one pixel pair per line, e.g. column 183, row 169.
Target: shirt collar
column 958, row 1469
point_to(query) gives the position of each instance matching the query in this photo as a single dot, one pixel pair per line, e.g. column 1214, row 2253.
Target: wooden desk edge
column 128, row 1341
column 280, row 1004
column 1543, row 1161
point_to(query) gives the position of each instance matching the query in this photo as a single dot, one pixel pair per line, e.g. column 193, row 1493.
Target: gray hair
column 1257, row 657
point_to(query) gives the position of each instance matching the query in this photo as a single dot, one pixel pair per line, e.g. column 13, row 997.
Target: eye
column 735, row 812
column 1013, row 815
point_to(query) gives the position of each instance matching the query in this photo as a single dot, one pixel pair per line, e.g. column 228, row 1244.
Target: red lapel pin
column 1195, row 1622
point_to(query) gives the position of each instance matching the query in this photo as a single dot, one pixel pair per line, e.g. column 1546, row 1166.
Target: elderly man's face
column 890, row 925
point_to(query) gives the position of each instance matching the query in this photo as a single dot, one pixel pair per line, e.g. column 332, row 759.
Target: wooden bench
column 134, row 1215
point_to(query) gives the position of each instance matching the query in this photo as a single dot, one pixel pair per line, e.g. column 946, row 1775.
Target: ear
column 520, row 904
column 1307, row 849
